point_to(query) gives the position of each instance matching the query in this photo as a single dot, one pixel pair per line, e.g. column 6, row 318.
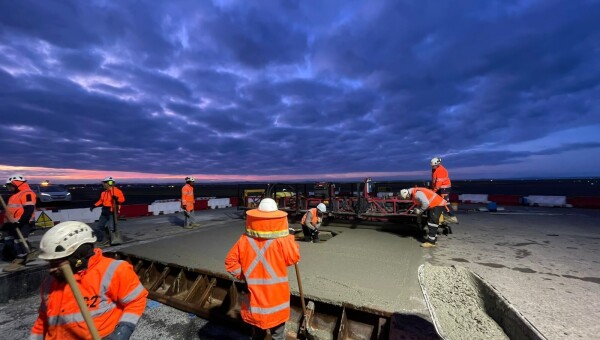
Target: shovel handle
column 68, row 273
column 17, row 228
column 300, row 288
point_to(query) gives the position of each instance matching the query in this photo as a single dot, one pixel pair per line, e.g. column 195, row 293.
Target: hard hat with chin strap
column 190, row 179
column 436, row 161
column 405, row 194
column 16, row 177
column 321, row 207
column 109, row 180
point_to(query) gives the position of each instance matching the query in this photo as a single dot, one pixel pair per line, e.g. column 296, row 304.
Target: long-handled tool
column 307, row 311
column 21, row 238
column 115, row 235
column 68, row 273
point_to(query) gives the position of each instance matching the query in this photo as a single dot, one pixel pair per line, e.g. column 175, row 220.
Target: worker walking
column 260, row 258
column 110, row 199
column 427, row 200
column 311, row 222
column 440, row 181
column 112, row 291
column 187, row 203
column 20, row 213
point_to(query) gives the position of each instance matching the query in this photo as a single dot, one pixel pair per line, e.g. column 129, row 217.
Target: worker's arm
column 40, row 326
column 120, row 197
column 233, row 264
column 27, row 213
column 290, row 250
column 308, row 221
column 129, row 293
column 422, row 199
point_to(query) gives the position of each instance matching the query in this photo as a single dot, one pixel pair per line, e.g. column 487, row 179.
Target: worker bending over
column 20, row 213
column 110, row 200
column 112, row 291
column 260, row 258
column 427, row 200
column 311, row 222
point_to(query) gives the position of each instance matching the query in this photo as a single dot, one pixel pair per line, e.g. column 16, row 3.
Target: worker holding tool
column 311, row 222
column 260, row 259
column 110, row 197
column 427, row 200
column 440, row 181
column 20, row 218
column 187, row 203
column 110, row 288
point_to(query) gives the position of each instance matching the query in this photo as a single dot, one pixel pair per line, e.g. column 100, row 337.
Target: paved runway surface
column 545, row 261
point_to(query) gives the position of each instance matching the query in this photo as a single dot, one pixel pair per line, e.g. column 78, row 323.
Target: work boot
column 187, row 226
column 451, row 219
column 427, row 244
column 15, row 265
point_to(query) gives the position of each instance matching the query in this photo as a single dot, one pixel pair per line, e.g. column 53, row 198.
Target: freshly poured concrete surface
column 545, row 261
column 362, row 267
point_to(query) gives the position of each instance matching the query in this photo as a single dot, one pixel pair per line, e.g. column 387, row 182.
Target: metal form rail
column 216, row 297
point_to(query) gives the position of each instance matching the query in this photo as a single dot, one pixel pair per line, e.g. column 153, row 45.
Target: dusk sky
column 297, row 90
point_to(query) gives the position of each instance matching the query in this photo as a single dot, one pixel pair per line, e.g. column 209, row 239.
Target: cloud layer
column 301, row 87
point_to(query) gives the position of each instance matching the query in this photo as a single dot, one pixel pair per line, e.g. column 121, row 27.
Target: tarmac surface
column 545, row 261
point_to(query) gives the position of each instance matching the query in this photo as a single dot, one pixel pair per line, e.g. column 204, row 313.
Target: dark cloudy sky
column 299, row 89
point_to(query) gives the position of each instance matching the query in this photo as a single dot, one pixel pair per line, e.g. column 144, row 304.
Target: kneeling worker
column 311, row 222
column 112, row 291
column 260, row 257
column 425, row 199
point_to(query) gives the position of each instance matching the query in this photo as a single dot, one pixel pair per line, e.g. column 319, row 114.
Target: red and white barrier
column 473, row 198
column 545, row 201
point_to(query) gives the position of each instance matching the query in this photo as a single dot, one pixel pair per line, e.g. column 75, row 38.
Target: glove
column 123, row 331
column 418, row 211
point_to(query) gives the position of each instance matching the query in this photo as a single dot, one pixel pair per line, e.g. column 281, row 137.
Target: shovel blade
column 115, row 238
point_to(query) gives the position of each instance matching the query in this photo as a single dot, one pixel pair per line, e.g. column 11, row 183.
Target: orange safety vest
column 111, row 290
column 17, row 202
column 434, row 199
column 262, row 263
column 314, row 218
column 106, row 197
column 440, row 178
column 187, row 197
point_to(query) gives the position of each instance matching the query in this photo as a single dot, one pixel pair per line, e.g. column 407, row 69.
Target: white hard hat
column 64, row 238
column 405, row 194
column 322, row 208
column 436, row 161
column 189, row 179
column 108, row 179
column 268, row 205
column 16, row 177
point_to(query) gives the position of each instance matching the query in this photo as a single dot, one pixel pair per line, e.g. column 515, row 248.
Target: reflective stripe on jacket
column 16, row 202
column 263, row 263
column 187, row 197
column 314, row 220
column 426, row 199
column 440, row 178
column 106, row 197
column 111, row 290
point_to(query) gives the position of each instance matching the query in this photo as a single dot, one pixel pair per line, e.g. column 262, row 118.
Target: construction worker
column 187, row 203
column 427, row 200
column 311, row 222
column 440, row 181
column 112, row 291
column 110, row 199
column 260, row 259
column 20, row 213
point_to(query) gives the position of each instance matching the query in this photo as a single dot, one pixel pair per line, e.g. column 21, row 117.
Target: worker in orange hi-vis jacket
column 187, row 203
column 427, row 200
column 20, row 214
column 260, row 258
column 109, row 198
column 112, row 291
column 440, row 181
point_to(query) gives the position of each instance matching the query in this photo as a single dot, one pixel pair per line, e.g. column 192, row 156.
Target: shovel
column 115, row 235
column 307, row 311
column 85, row 312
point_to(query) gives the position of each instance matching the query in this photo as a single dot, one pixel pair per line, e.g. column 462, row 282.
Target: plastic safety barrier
column 216, row 203
column 473, row 198
column 545, row 201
